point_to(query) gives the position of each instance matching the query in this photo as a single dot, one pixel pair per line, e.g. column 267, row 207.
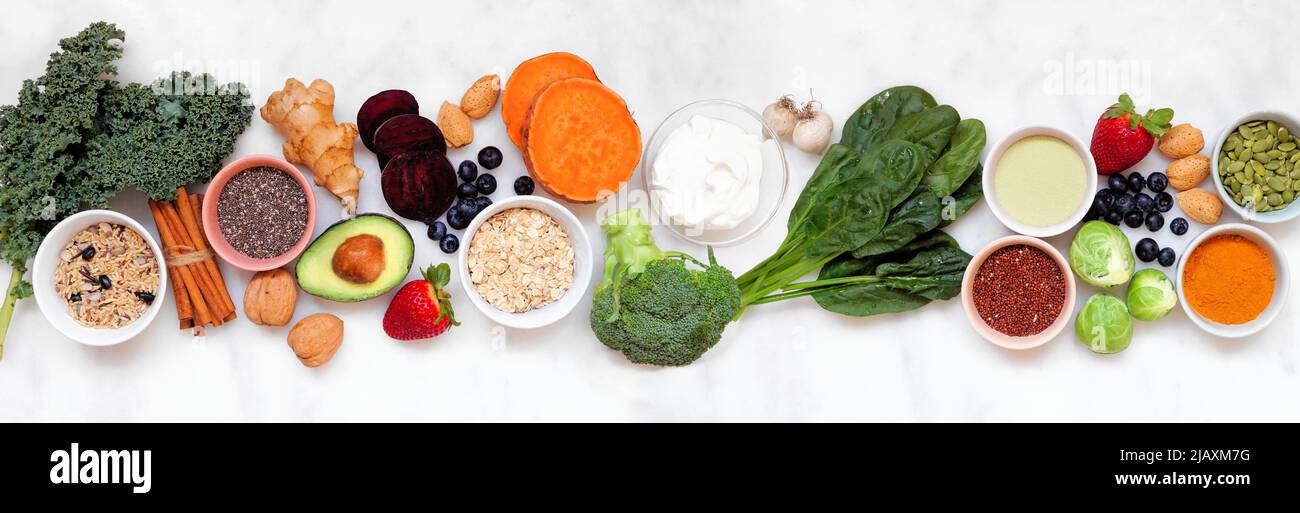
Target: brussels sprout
column 1101, row 256
column 1151, row 295
column 1104, row 325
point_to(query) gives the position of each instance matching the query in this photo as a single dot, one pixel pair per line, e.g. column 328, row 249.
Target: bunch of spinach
column 870, row 215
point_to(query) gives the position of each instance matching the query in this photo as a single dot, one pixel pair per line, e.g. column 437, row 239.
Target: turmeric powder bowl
column 1233, row 280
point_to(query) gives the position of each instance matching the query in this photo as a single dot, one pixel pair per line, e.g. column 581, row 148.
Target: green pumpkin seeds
column 1260, row 164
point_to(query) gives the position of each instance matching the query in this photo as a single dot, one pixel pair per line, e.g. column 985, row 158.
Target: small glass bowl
column 772, row 183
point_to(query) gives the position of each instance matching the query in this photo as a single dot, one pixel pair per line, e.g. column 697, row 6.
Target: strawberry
column 1118, row 143
column 421, row 309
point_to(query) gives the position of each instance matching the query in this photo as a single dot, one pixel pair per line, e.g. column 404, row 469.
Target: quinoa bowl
column 125, row 313
column 1036, row 331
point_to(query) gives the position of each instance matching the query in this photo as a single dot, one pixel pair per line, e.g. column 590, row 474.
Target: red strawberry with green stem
column 1123, row 138
column 421, row 309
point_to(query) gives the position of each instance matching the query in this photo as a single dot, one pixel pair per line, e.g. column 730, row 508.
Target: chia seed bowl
column 255, row 224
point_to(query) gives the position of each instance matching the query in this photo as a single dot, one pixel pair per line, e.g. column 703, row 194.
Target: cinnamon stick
column 184, row 310
column 196, row 202
column 202, row 274
column 202, row 315
column 189, row 216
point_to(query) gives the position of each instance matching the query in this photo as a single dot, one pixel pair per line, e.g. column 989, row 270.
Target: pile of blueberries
column 472, row 196
column 1124, row 201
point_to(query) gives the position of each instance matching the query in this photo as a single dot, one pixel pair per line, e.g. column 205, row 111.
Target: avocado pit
column 360, row 259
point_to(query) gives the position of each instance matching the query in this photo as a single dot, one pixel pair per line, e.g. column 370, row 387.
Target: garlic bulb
column 781, row 115
column 812, row 134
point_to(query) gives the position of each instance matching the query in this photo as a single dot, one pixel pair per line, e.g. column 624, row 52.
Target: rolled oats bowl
column 525, row 262
column 99, row 277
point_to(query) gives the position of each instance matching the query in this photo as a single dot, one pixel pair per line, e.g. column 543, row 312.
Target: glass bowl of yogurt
column 715, row 172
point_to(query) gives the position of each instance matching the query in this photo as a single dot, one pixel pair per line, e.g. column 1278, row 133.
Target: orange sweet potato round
column 580, row 141
column 529, row 78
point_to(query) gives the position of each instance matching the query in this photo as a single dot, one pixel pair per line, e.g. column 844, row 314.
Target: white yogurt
column 706, row 175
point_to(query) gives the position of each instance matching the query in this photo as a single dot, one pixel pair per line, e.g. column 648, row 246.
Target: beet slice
column 408, row 132
column 380, row 108
column 419, row 185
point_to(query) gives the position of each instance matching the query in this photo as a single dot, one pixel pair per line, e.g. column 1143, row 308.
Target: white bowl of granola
column 525, row 262
column 99, row 277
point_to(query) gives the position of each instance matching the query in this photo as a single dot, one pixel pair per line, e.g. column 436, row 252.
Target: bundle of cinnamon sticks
column 201, row 296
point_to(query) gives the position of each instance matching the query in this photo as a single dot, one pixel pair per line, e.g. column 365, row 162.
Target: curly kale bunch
column 76, row 138
column 650, row 305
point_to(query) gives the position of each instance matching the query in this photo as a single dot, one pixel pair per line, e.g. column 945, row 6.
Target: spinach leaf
column 920, row 213
column 906, row 280
column 965, row 197
column 867, row 126
column 837, row 157
column 961, row 158
column 855, row 204
column 931, row 129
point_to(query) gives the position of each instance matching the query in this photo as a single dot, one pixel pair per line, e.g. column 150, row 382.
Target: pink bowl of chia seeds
column 259, row 212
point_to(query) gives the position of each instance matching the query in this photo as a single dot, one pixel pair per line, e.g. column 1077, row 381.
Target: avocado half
column 315, row 268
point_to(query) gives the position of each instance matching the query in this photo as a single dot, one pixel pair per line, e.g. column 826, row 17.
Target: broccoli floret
column 650, row 306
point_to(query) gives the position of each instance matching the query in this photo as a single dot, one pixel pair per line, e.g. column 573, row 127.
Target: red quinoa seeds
column 1019, row 290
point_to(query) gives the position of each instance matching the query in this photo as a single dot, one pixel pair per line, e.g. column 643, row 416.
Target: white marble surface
column 998, row 61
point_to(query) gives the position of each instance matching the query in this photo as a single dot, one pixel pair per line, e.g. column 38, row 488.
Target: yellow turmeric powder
column 1228, row 279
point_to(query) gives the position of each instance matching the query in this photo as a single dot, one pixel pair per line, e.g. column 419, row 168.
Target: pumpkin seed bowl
column 1256, row 166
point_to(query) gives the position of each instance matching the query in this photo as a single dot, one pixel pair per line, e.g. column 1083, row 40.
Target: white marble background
column 1009, row 63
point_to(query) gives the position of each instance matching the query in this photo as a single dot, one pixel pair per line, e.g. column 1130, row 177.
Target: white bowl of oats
column 526, row 262
column 99, row 277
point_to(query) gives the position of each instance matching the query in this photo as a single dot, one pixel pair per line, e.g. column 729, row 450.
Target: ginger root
column 304, row 116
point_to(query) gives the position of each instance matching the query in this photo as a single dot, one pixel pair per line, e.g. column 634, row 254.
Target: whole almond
column 1188, row 172
column 271, row 298
column 1201, row 205
column 481, row 96
column 316, row 338
column 455, row 125
column 1181, row 141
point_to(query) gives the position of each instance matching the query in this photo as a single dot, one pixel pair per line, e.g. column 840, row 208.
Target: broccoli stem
column 7, row 312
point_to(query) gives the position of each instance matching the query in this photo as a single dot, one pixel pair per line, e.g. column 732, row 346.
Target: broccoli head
column 650, row 306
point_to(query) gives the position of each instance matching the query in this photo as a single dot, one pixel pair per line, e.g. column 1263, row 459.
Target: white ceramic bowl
column 991, row 171
column 55, row 309
column 1281, row 288
column 583, row 261
column 1277, row 216
column 772, row 183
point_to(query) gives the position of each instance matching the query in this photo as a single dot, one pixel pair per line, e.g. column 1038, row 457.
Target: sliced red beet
column 408, row 132
column 380, row 108
column 419, row 185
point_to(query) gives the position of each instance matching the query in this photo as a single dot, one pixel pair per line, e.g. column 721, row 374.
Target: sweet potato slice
column 381, row 107
column 580, row 141
column 530, row 77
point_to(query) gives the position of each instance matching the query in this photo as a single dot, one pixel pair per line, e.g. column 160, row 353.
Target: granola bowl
column 50, row 264
column 525, row 262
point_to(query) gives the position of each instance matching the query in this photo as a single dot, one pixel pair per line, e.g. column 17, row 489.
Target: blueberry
column 456, row 218
column 523, row 185
column 466, row 190
column 467, row 171
column 1146, row 249
column 1143, row 202
column 1117, row 184
column 490, row 157
column 1123, row 204
column 449, row 243
column 1164, row 202
column 1136, row 182
column 1134, row 218
column 437, row 230
column 1167, row 257
column 468, row 207
column 1178, row 226
column 1155, row 221
column 1098, row 209
column 1113, row 217
column 487, row 184
column 482, row 203
column 1157, row 182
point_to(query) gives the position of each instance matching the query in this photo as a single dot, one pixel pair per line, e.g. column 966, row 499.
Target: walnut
column 316, row 338
column 271, row 298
